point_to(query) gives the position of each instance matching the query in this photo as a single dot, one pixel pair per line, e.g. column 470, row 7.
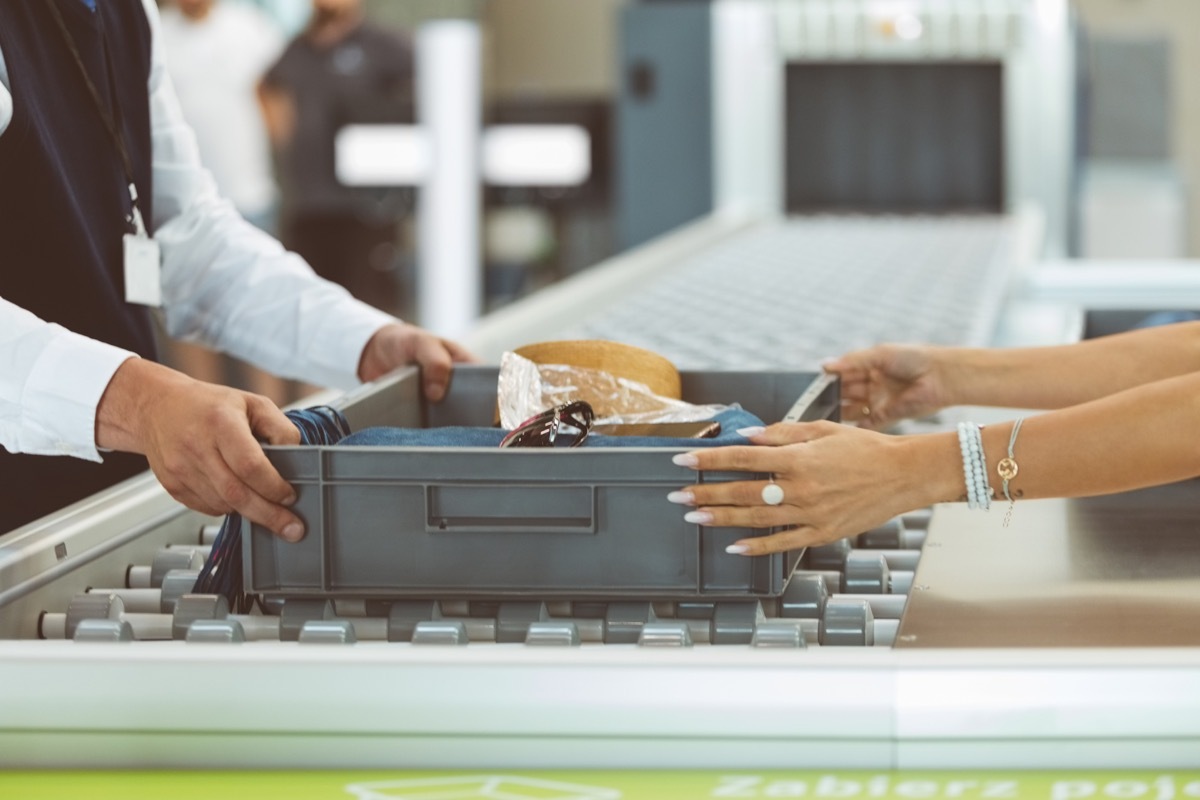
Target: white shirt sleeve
column 228, row 284
column 51, row 381
column 5, row 97
column 224, row 283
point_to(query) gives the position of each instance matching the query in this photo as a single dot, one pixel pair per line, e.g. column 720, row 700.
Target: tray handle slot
column 506, row 508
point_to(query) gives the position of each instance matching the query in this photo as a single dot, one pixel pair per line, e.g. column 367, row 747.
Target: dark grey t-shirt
column 367, row 77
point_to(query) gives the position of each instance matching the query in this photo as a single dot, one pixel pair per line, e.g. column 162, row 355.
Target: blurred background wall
column 1145, row 112
column 567, row 62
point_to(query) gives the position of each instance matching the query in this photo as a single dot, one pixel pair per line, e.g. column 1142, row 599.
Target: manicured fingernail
column 290, row 500
column 737, row 549
column 753, row 430
column 682, row 498
column 686, row 460
column 293, row 532
column 698, row 517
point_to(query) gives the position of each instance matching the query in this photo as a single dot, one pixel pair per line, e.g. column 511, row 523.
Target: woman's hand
column 836, row 481
column 887, row 383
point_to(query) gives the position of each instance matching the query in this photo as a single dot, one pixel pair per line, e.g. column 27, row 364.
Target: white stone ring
column 772, row 493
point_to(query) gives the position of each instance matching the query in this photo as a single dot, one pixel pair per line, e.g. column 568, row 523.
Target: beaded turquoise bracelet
column 970, row 443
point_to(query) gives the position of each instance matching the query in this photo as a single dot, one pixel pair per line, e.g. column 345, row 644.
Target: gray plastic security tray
column 587, row 523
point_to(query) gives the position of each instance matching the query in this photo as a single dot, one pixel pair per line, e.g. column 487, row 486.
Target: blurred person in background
column 217, row 52
column 340, row 69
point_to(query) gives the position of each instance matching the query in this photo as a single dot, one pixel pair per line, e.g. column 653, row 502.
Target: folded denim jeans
column 461, row 436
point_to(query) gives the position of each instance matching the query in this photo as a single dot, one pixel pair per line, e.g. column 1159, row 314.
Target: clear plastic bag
column 526, row 388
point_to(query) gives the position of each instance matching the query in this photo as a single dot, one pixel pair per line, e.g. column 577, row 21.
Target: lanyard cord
column 110, row 124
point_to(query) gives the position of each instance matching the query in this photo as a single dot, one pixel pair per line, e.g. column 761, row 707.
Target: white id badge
column 143, row 271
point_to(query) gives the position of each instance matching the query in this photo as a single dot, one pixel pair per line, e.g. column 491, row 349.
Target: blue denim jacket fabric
column 731, row 420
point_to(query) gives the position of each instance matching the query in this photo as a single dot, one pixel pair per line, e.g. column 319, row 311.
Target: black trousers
column 346, row 249
column 34, row 486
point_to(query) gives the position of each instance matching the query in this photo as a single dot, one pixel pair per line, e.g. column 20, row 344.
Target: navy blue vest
column 63, row 202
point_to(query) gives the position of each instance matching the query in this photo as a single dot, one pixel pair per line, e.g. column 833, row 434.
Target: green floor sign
column 597, row 785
